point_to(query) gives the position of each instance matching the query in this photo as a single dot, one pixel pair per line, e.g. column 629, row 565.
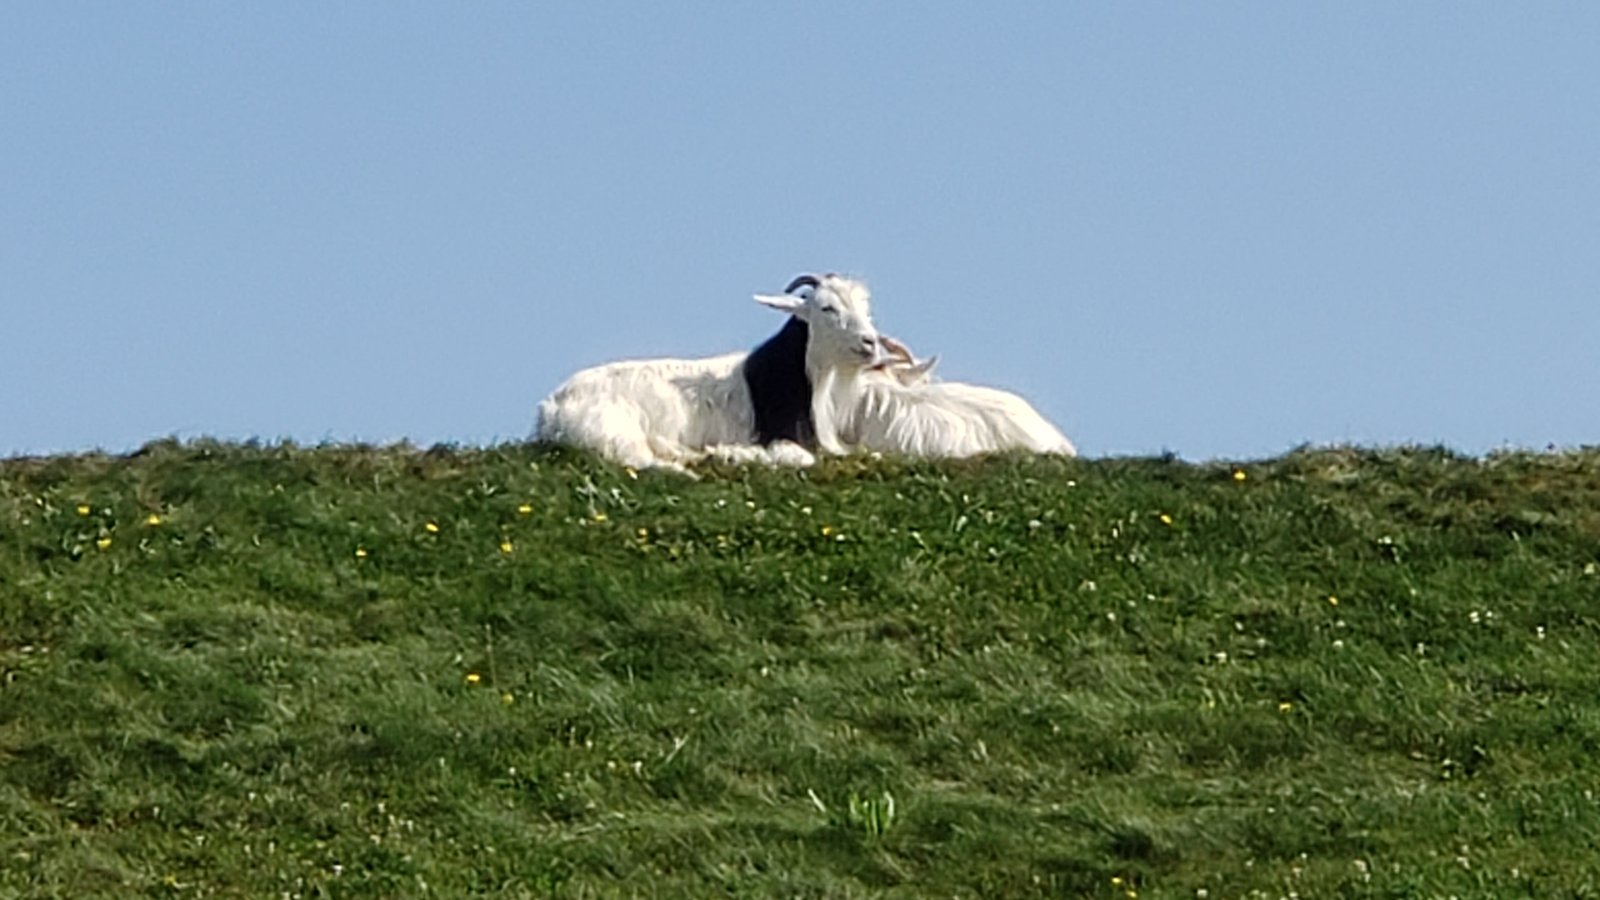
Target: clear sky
column 1218, row 229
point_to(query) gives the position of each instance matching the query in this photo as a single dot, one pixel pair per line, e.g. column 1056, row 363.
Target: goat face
column 838, row 311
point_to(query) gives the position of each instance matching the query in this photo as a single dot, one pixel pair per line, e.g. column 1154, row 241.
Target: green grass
column 320, row 672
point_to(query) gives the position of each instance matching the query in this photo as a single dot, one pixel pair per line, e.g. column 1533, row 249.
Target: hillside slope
column 273, row 671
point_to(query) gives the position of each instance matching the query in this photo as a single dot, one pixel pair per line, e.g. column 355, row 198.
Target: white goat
column 775, row 404
column 899, row 408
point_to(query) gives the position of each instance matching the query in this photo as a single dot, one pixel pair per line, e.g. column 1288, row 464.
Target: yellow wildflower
column 1165, row 519
column 431, row 528
column 1285, row 706
column 525, row 509
column 473, row 678
column 505, row 546
column 152, row 520
column 104, row 543
column 83, row 509
column 599, row 516
column 632, row 473
column 507, row 699
column 1239, row 475
column 1332, row 600
column 361, row 553
column 827, row 531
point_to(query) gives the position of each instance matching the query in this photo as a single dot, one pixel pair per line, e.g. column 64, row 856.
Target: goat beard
column 827, row 393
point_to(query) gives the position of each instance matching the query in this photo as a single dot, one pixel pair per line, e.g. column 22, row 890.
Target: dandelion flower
column 1285, row 706
column 599, row 515
column 473, row 678
column 431, row 527
column 827, row 531
column 505, row 546
column 104, row 543
column 1165, row 519
column 83, row 509
column 1332, row 600
column 361, row 553
column 507, row 698
column 525, row 509
column 1239, row 475
column 152, row 520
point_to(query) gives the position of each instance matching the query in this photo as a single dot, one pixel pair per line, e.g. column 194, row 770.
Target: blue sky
column 1221, row 230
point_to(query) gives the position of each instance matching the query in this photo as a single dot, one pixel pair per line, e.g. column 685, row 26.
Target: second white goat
column 900, row 408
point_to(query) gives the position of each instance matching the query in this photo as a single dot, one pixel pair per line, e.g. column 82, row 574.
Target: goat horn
column 809, row 281
column 897, row 348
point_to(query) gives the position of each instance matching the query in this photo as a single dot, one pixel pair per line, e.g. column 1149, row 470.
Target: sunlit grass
column 351, row 671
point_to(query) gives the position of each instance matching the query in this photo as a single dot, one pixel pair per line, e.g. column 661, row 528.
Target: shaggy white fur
column 669, row 413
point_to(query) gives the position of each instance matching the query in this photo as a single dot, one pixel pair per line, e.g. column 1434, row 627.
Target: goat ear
column 925, row 368
column 788, row 303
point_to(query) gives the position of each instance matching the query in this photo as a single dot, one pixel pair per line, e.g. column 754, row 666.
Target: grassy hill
column 356, row 672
